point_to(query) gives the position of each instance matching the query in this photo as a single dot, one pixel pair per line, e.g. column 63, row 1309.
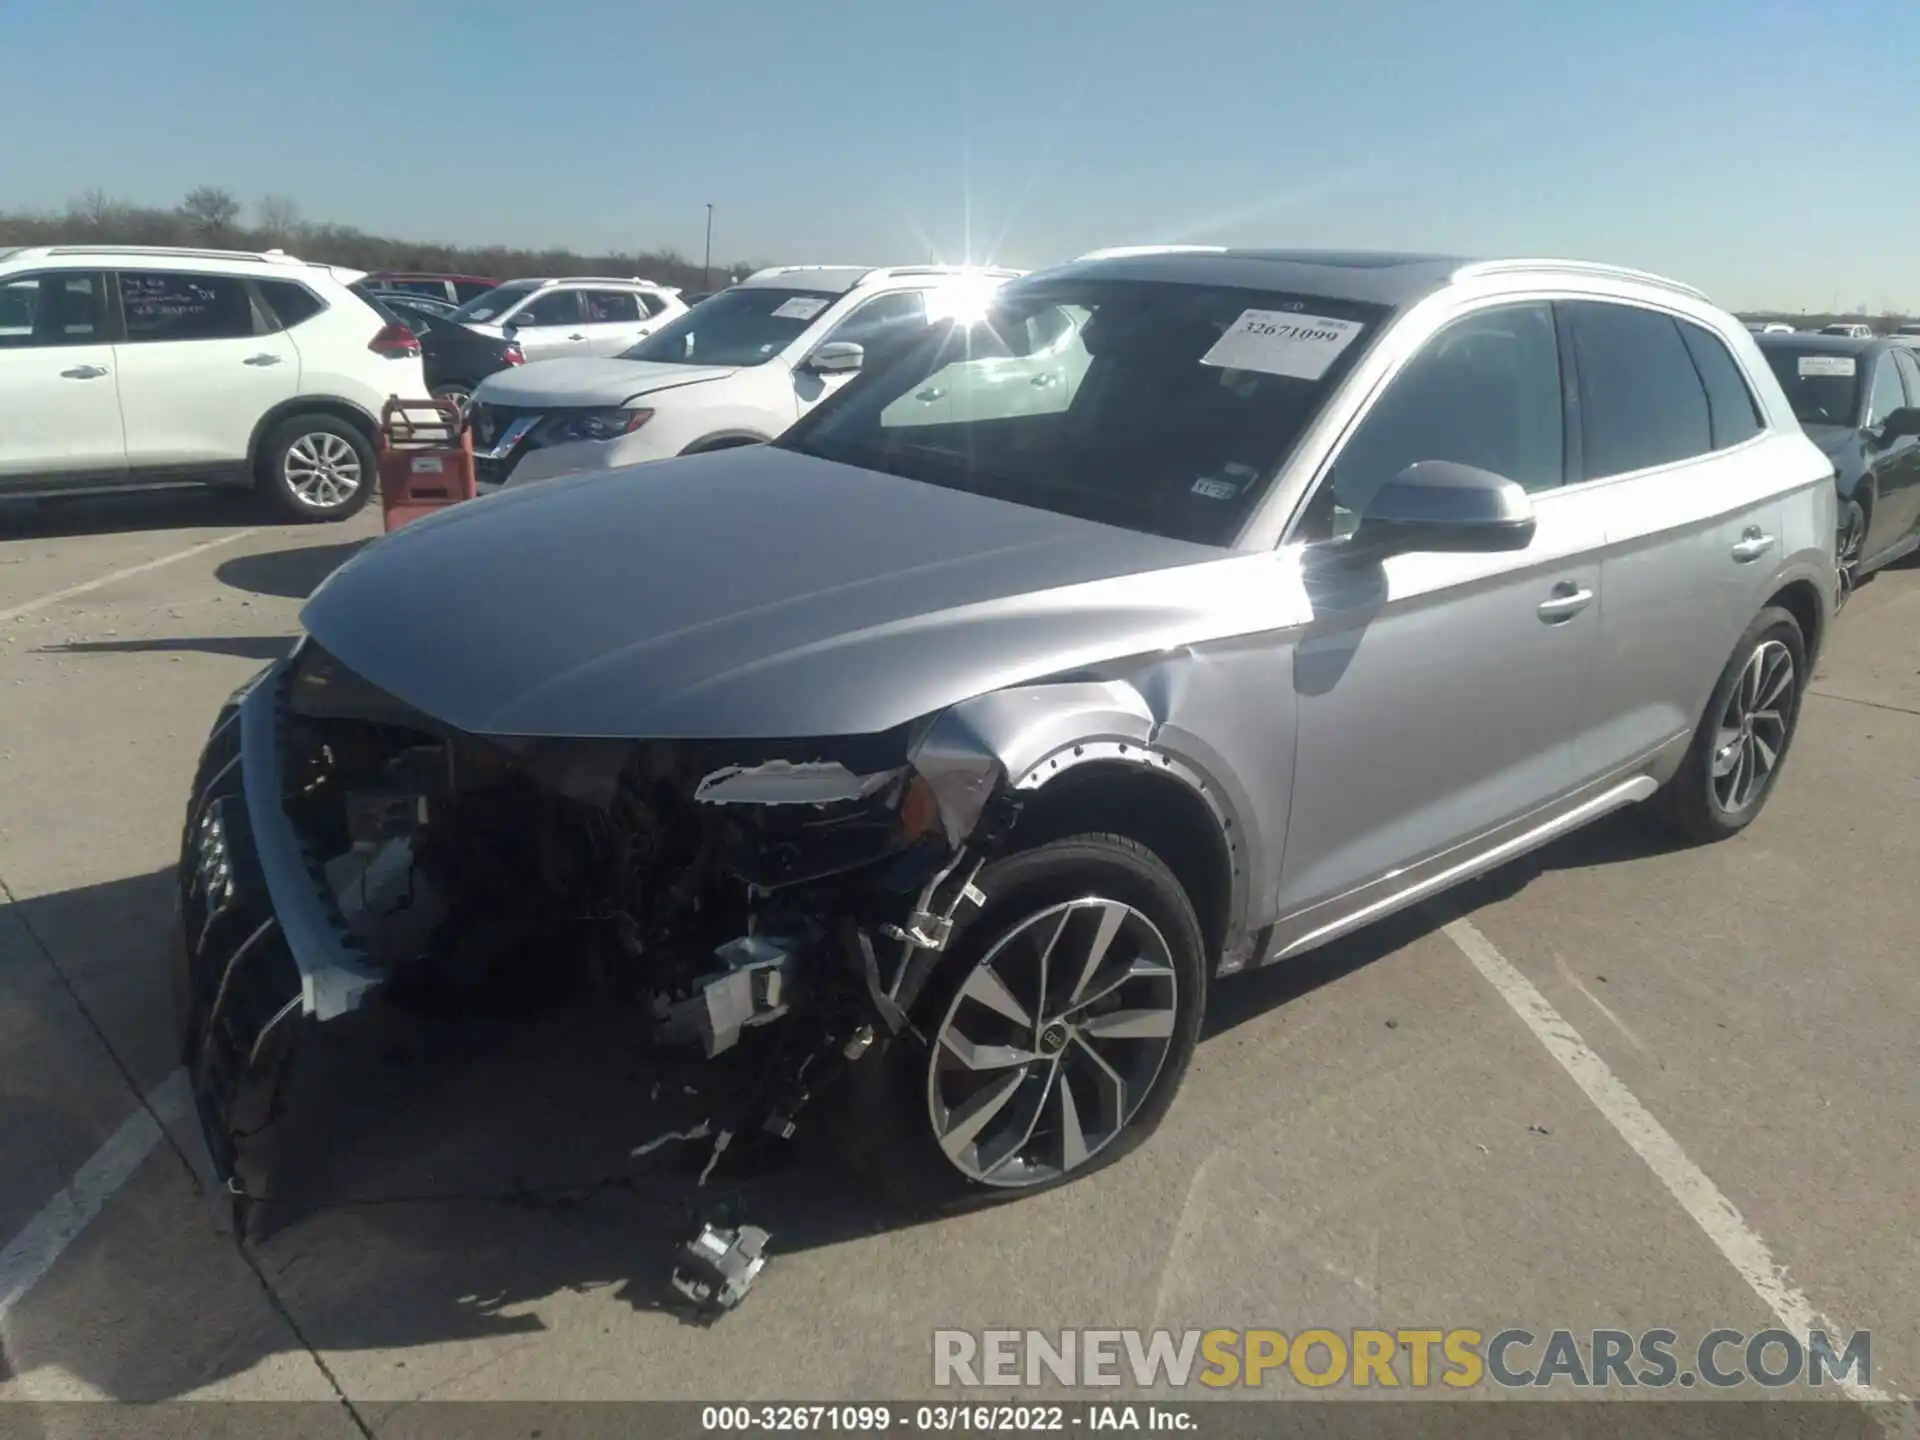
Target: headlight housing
column 601, row 424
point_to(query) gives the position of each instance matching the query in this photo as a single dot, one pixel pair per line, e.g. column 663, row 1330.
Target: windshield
column 744, row 326
column 1165, row 408
column 491, row 304
column 1822, row 387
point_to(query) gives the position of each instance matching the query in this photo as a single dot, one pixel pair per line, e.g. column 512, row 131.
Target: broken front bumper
column 258, row 955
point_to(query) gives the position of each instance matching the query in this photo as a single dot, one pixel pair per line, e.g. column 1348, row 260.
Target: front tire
column 1060, row 1023
column 316, row 467
column 1741, row 745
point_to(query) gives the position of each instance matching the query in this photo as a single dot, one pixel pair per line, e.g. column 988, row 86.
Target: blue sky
column 1764, row 149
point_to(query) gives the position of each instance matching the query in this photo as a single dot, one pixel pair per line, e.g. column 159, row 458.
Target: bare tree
column 279, row 217
column 210, row 210
column 95, row 208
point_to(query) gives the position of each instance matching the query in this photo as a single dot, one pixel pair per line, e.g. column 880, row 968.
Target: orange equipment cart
column 426, row 458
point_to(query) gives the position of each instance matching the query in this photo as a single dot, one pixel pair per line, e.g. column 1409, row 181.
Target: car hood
column 749, row 593
column 590, row 382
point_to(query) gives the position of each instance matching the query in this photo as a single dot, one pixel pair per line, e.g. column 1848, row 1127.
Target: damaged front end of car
column 777, row 902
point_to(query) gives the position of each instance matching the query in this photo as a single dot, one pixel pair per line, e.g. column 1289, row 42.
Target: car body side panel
column 1217, row 717
column 1435, row 703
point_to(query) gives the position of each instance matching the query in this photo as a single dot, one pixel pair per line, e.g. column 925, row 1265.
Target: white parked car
column 580, row 315
column 129, row 367
column 737, row 369
column 1852, row 330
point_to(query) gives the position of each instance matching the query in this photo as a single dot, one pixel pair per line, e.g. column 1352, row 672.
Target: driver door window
column 1485, row 391
column 551, row 326
column 884, row 326
column 1886, row 395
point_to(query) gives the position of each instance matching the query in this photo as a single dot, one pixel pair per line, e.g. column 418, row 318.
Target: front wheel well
column 1157, row 810
column 1800, row 600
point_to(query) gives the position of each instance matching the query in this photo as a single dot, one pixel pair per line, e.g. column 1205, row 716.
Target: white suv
column 128, row 367
column 580, row 315
column 736, row 369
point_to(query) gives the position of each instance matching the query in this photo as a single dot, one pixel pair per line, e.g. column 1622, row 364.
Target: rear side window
column 607, row 307
column 161, row 306
column 1730, row 405
column 47, row 311
column 1642, row 402
column 289, row 302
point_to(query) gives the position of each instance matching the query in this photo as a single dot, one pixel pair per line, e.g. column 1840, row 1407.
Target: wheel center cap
column 1053, row 1039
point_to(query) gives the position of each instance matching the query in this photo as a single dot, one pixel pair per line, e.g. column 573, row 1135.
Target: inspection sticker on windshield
column 800, row 307
column 1278, row 342
column 1826, row 365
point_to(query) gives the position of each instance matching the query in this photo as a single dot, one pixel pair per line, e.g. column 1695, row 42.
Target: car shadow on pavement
column 430, row 1180
column 1622, row 837
column 188, row 508
column 291, row 574
column 245, row 647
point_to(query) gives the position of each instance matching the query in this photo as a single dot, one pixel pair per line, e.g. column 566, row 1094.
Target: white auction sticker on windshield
column 1280, row 342
column 800, row 307
column 1827, row 365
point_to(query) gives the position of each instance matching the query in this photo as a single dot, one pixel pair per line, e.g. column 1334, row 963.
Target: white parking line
column 1712, row 1211
column 31, row 1253
column 72, row 590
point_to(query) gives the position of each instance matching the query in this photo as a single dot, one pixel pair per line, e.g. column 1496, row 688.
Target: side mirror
column 837, row 357
column 1436, row 505
column 1901, row 423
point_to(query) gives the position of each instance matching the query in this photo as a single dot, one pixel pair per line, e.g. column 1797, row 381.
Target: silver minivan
column 966, row 735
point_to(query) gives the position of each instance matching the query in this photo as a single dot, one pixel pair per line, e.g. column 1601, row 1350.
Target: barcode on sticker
column 428, row 465
column 1811, row 365
column 1280, row 342
column 800, row 307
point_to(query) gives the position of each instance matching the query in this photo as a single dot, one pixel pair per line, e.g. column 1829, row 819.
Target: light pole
column 707, row 263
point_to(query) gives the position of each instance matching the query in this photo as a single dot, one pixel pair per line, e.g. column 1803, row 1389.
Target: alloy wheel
column 1053, row 1043
column 322, row 470
column 1753, row 727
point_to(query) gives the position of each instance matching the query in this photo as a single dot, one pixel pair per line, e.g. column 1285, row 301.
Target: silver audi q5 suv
column 1179, row 611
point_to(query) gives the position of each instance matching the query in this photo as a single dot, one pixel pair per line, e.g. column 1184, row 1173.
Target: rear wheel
column 459, row 391
column 1060, row 1024
column 1742, row 741
column 316, row 467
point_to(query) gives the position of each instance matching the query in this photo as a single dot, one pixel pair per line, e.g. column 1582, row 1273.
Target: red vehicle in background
column 455, row 289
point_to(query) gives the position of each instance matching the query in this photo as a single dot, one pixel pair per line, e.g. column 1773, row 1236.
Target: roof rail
column 602, row 280
column 899, row 272
column 1122, row 252
column 1575, row 267
column 180, row 252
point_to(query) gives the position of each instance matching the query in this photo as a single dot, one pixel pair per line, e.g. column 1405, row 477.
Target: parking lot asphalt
column 1368, row 1136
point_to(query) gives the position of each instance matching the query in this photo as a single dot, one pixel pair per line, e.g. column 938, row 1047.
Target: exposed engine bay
column 783, row 902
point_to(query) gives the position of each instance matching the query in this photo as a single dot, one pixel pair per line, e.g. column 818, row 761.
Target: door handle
column 261, row 360
column 931, row 394
column 576, row 337
column 85, row 372
column 1751, row 545
column 1568, row 600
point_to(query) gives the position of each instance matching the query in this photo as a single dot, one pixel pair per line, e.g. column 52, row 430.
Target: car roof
column 839, row 279
column 177, row 257
column 1830, row 344
column 1396, row 279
